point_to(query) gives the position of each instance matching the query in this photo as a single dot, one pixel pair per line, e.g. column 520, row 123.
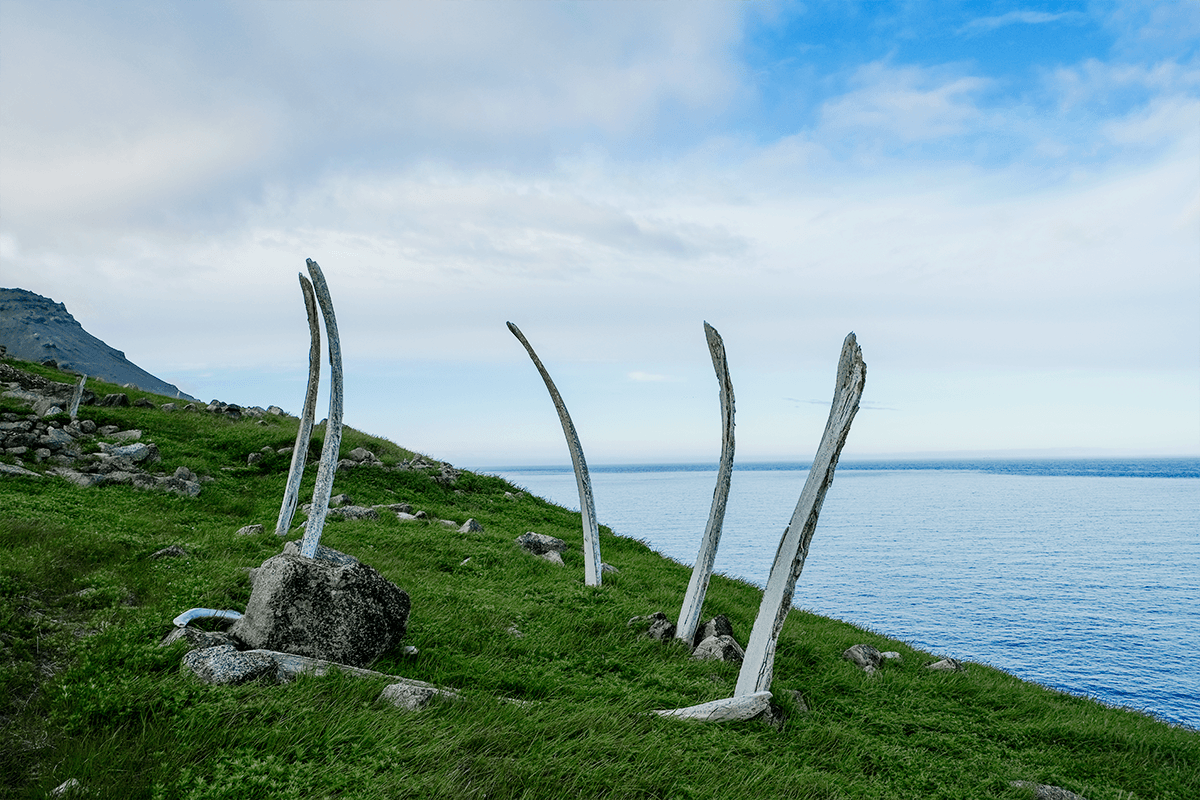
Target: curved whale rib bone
column 729, row 709
column 591, row 531
column 300, row 451
column 204, row 613
column 693, row 600
column 333, row 427
column 759, row 662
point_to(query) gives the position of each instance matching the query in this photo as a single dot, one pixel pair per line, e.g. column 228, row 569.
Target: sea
column 1079, row 574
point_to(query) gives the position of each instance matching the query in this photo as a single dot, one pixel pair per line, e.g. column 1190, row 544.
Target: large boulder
column 347, row 613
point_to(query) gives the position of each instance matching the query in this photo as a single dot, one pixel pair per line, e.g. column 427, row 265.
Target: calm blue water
column 1083, row 575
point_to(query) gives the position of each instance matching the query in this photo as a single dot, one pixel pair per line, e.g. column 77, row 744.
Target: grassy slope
column 86, row 693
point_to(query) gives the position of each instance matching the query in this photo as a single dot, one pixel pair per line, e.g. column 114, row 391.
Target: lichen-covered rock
column 346, row 613
column 947, row 665
column 719, row 648
column 865, row 656
column 540, row 544
column 717, row 626
column 224, row 665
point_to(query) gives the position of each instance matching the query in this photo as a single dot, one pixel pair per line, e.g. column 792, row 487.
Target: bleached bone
column 333, row 426
column 76, row 397
column 204, row 613
column 591, row 531
column 759, row 664
column 300, row 451
column 693, row 599
column 729, row 709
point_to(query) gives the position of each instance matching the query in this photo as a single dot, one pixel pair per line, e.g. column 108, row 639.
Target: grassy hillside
column 86, row 693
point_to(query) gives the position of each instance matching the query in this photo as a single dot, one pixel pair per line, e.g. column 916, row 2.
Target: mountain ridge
column 35, row 328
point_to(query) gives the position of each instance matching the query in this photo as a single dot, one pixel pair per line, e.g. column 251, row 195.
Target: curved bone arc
column 333, row 427
column 77, row 397
column 729, row 709
column 759, row 662
column 693, row 600
column 204, row 613
column 591, row 531
column 300, row 451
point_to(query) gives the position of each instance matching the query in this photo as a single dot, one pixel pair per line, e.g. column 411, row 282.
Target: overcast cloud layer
column 1001, row 199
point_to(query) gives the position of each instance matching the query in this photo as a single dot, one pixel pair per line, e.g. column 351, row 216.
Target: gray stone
column 118, row 399
column 83, row 479
column 168, row 407
column 553, row 557
column 539, row 543
column 609, row 569
column 717, row 626
column 350, row 614
column 275, row 411
column 471, row 526
column 1044, row 791
column 865, row 656
column 323, row 553
column 408, row 697
column 354, row 512
column 253, row 458
column 250, row 530
column 11, row 469
column 87, row 426
column 660, row 627
column 131, row 435
column 185, row 474
column 362, row 455
column 339, row 500
column 394, row 508
column 178, row 486
column 174, row 551
column 196, row 639
column 135, row 453
column 719, row 648
column 223, row 665
column 947, row 665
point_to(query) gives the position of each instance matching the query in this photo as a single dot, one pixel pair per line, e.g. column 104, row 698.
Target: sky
column 1001, row 199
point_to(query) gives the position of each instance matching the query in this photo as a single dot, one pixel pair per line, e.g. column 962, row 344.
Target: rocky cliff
column 36, row 328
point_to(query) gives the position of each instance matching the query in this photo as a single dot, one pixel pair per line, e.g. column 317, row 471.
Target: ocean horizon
column 1077, row 573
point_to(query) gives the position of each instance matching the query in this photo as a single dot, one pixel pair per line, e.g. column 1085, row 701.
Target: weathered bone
column 204, row 613
column 304, row 434
column 77, row 397
column 333, row 427
column 759, row 664
column 693, row 600
column 729, row 709
column 591, row 531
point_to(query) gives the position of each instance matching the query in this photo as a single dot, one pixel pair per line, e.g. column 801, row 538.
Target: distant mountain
column 35, row 328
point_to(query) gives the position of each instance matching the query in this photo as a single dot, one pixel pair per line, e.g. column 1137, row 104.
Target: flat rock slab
column 349, row 614
column 409, row 697
column 224, row 665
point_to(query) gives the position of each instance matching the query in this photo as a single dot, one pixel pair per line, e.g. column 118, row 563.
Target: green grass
column 85, row 692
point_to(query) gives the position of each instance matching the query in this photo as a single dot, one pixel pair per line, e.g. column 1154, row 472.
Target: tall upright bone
column 300, row 451
column 77, row 397
column 759, row 663
column 591, row 530
column 333, row 427
column 693, row 600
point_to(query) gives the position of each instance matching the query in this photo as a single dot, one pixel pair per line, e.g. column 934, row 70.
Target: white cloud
column 1021, row 18
column 911, row 103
